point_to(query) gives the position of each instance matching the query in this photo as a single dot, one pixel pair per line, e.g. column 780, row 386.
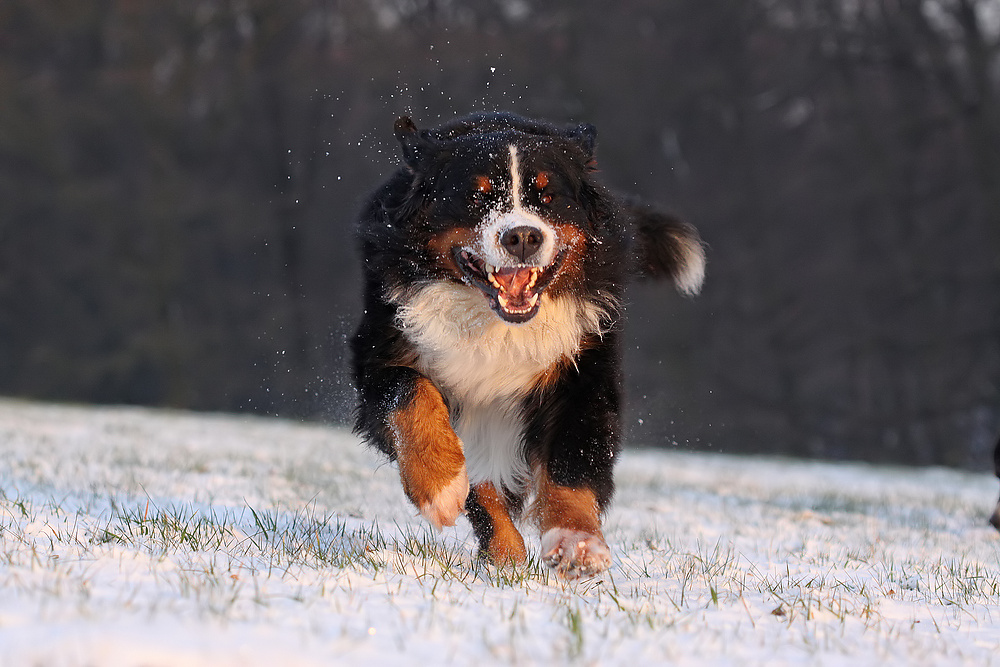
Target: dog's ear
column 665, row 247
column 417, row 144
column 585, row 135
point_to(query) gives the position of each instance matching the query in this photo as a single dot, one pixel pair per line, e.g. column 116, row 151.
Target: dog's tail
column 665, row 247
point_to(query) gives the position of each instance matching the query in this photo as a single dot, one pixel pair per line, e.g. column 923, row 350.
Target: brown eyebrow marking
column 483, row 184
column 541, row 180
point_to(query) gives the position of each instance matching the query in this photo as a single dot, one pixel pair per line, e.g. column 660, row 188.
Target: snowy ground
column 134, row 537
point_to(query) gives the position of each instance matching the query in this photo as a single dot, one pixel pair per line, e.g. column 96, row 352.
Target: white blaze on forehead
column 509, row 214
column 515, row 177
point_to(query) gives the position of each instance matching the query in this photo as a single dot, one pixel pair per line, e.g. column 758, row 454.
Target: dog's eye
column 481, row 188
column 542, row 182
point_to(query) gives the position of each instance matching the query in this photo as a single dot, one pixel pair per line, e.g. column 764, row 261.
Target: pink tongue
column 514, row 282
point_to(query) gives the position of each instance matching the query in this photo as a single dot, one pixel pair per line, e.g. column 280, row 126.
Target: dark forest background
column 179, row 180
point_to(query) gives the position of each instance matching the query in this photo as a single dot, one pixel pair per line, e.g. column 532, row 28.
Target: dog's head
column 503, row 205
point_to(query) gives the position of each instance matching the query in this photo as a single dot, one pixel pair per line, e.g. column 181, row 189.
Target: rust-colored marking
column 564, row 507
column 442, row 244
column 551, row 375
column 427, row 449
column 541, row 182
column 574, row 244
column 482, row 184
column 506, row 545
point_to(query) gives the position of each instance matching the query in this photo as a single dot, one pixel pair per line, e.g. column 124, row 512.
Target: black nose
column 522, row 242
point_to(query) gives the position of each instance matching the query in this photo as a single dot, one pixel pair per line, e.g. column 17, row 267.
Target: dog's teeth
column 490, row 275
column 504, row 302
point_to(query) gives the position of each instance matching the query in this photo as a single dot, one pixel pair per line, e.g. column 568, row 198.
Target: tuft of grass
column 575, row 626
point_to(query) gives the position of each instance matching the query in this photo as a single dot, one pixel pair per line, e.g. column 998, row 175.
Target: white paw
column 444, row 508
column 574, row 553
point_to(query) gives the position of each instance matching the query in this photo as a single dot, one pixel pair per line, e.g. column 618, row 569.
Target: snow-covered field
column 136, row 537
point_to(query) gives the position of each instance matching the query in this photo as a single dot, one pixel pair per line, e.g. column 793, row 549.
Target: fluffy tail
column 665, row 247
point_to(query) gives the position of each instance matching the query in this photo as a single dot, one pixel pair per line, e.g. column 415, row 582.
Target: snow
column 140, row 537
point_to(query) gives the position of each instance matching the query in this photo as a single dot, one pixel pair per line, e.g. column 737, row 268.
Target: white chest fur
column 486, row 366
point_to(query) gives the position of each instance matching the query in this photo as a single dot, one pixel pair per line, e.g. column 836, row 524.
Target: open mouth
column 513, row 292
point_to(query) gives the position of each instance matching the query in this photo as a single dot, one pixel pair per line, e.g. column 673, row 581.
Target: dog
column 487, row 361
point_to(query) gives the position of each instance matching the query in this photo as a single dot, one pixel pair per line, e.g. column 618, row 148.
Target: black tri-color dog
column 488, row 361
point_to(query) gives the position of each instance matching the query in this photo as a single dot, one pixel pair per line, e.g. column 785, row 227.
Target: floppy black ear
column 585, row 135
column 416, row 143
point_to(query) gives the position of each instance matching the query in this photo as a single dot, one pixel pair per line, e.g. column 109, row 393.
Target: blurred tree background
column 179, row 181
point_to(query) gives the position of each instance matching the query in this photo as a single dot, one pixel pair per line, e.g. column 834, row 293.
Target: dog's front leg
column 572, row 439
column 570, row 524
column 403, row 414
column 430, row 456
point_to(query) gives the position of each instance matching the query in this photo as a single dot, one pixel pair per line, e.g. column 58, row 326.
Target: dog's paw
column 574, row 554
column 448, row 503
